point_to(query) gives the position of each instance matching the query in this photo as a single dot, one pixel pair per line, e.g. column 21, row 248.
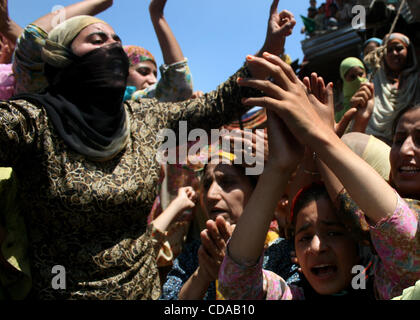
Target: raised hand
column 322, row 98
column 9, row 28
column 186, row 197
column 213, row 247
column 363, row 100
column 254, row 144
column 210, row 256
column 4, row 14
column 157, row 6
column 285, row 95
column 280, row 25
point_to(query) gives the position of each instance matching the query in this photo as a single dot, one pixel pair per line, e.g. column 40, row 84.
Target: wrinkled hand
column 322, row 98
column 280, row 25
column 252, row 144
column 363, row 100
column 213, row 246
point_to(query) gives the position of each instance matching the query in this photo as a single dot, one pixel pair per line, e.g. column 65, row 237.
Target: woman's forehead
column 395, row 42
column 412, row 116
column 316, row 211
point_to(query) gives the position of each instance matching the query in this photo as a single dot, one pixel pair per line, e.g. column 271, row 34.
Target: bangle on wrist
column 312, row 173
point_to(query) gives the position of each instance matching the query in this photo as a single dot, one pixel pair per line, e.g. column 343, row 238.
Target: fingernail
column 249, row 57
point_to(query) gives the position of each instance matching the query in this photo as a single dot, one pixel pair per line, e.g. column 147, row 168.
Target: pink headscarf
column 7, row 81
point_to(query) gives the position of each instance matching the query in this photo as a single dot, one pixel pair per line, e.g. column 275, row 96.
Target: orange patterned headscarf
column 138, row 54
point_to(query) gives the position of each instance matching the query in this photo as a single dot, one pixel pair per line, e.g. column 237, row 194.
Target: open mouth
column 324, row 270
column 216, row 212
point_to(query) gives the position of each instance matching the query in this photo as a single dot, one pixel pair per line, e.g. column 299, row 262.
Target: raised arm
column 287, row 97
column 279, row 27
column 210, row 257
column 9, row 28
column 86, row 7
column 185, row 200
column 171, row 50
column 283, row 157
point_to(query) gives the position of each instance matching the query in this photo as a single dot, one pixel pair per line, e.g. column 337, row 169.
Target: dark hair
column 312, row 192
column 401, row 113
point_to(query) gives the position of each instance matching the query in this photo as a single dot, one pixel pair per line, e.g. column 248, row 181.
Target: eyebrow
column 103, row 34
column 405, row 131
column 307, row 225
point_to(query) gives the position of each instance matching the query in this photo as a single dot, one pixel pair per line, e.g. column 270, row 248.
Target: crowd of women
column 82, row 188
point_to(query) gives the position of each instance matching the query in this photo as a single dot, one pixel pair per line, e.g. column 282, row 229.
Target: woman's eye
column 398, row 140
column 416, row 139
column 226, row 182
column 305, row 238
column 97, row 41
column 143, row 71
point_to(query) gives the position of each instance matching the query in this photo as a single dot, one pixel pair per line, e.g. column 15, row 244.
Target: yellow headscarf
column 56, row 51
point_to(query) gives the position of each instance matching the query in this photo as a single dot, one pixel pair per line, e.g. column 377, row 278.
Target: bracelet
column 313, row 173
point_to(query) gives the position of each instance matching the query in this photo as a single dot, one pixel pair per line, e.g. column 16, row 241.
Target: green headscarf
column 349, row 87
column 56, row 51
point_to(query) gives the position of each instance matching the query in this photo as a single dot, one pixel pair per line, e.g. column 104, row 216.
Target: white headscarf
column 388, row 99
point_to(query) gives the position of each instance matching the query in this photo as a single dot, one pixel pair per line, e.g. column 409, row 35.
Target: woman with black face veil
column 87, row 166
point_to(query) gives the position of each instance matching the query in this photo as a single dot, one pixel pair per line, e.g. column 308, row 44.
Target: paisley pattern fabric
column 91, row 217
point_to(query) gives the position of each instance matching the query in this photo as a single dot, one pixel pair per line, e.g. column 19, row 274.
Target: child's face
column 324, row 248
column 142, row 75
column 354, row 73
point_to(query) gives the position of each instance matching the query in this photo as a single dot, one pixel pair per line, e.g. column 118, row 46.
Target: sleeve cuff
column 165, row 67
